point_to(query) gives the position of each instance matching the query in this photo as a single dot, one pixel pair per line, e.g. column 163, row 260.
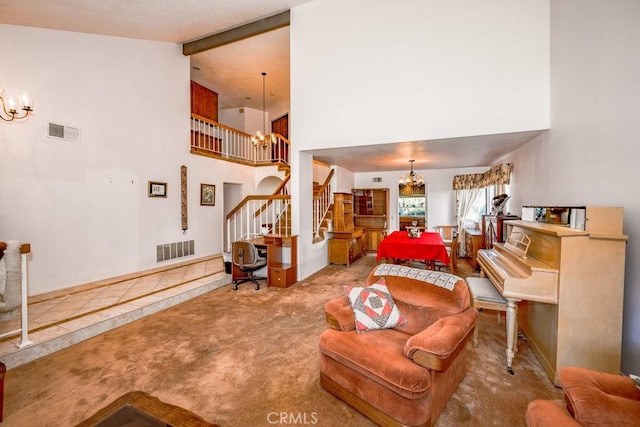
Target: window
column 478, row 207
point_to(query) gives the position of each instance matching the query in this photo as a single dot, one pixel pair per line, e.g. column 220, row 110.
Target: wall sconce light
column 15, row 109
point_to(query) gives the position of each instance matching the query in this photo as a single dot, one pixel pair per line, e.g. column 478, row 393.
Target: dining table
column 428, row 248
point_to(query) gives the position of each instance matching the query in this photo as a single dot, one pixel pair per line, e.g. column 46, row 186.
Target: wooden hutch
column 346, row 245
column 370, row 212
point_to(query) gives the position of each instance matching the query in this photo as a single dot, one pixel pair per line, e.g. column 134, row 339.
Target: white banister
column 217, row 140
column 24, row 336
column 254, row 212
column 24, row 249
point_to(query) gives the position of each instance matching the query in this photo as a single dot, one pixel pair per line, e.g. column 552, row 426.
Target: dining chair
column 447, row 233
column 453, row 252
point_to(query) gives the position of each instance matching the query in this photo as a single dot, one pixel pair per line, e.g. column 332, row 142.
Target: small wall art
column 207, row 195
column 157, row 189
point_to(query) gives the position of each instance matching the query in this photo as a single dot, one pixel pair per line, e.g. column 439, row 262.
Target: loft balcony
column 213, row 139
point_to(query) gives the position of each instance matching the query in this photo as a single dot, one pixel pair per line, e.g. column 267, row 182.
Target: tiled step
column 99, row 315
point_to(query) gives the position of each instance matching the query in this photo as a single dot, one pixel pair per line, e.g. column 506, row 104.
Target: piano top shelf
column 564, row 231
column 546, row 228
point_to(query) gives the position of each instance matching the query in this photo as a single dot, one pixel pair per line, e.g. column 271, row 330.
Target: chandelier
column 263, row 139
column 13, row 109
column 411, row 179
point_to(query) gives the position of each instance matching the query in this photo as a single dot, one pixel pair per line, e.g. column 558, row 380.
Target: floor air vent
column 169, row 251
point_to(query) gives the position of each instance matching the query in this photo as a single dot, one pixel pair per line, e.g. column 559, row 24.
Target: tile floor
column 60, row 319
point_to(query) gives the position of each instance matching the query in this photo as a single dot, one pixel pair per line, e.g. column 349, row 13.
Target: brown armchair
column 592, row 399
column 404, row 375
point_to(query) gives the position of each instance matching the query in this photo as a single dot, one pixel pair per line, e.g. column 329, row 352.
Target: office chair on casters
column 248, row 260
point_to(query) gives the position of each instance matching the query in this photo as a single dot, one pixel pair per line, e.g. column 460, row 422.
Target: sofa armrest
column 439, row 344
column 340, row 314
column 544, row 413
column 597, row 397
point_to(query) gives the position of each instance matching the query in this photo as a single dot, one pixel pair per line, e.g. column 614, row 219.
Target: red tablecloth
column 398, row 245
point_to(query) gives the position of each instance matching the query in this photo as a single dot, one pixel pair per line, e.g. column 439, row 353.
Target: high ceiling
column 234, row 70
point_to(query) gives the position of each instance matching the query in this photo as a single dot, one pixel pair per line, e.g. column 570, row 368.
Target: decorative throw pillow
column 374, row 307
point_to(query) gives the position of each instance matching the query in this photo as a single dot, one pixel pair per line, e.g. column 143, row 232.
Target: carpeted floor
column 250, row 358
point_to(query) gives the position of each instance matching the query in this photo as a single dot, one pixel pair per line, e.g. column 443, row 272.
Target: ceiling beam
column 238, row 33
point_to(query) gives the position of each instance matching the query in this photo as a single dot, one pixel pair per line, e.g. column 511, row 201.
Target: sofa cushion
column 378, row 355
column 374, row 308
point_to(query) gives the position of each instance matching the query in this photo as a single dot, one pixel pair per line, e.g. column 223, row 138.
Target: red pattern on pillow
column 374, row 307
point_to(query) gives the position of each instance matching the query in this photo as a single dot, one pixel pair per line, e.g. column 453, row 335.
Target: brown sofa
column 592, row 399
column 404, row 375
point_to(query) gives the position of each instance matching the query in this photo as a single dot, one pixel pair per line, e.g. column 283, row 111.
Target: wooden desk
column 428, row 247
column 282, row 260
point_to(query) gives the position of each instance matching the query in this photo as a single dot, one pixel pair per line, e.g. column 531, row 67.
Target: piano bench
column 485, row 296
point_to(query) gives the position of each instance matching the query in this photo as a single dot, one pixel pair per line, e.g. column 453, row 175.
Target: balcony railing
column 213, row 139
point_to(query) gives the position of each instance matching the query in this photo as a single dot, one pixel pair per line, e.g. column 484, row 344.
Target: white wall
column 84, row 206
column 373, row 71
column 590, row 155
column 245, row 119
column 232, row 117
column 382, row 71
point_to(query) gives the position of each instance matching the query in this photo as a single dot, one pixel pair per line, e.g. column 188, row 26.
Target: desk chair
column 247, row 259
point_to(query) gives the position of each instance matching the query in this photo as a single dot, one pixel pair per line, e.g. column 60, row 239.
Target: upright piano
column 565, row 291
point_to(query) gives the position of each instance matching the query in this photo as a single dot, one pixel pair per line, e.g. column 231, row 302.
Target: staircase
column 256, row 215
column 322, row 209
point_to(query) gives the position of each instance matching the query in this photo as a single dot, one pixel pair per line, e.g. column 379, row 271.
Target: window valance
column 498, row 174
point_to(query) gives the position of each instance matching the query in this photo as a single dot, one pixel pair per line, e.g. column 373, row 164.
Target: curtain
column 466, row 199
column 497, row 175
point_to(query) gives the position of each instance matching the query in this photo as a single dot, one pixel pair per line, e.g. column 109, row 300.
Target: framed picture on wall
column 157, row 189
column 207, row 195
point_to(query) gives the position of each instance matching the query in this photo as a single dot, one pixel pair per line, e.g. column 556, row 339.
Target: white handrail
column 24, row 341
column 255, row 213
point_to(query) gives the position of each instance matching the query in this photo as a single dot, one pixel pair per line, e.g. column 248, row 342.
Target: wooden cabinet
column 346, row 245
column 282, row 261
column 370, row 212
column 342, row 212
column 473, row 241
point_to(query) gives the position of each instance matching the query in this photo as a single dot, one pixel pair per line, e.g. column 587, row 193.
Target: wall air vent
column 64, row 132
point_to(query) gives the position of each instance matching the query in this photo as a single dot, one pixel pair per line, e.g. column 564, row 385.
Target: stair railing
column 256, row 215
column 321, row 204
column 213, row 139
